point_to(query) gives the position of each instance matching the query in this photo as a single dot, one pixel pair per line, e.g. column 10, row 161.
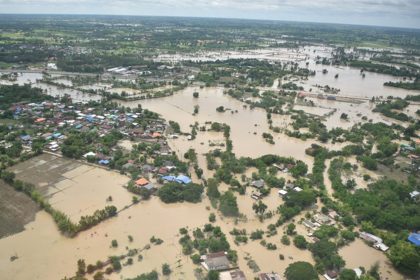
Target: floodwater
column 247, row 125
column 45, row 254
column 76, row 189
column 359, row 254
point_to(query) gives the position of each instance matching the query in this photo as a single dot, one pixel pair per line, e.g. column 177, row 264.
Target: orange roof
column 142, row 182
column 156, row 135
column 40, row 120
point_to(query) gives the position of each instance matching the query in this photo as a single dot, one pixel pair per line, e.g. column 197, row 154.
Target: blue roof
column 149, row 186
column 104, row 161
column 57, row 134
column 25, row 137
column 414, row 238
column 169, row 178
column 183, row 179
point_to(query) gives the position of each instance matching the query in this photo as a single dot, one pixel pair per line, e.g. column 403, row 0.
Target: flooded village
column 212, row 164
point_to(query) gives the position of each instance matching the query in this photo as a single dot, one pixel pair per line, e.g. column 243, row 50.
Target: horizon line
column 214, row 17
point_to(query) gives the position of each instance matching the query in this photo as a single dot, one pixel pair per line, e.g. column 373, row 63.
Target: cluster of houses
column 53, row 120
column 146, row 184
column 219, row 261
column 410, row 152
column 259, row 184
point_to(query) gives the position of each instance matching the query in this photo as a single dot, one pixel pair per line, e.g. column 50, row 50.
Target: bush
column 212, row 217
column 166, row 270
column 300, row 242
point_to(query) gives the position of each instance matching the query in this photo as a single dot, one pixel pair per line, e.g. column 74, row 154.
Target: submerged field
column 227, row 104
column 73, row 187
column 56, row 256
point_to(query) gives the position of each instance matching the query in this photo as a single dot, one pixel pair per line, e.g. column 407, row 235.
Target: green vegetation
column 209, row 239
column 228, row 205
column 383, row 69
column 10, row 95
column 301, row 271
column 408, row 86
column 176, row 192
column 387, row 109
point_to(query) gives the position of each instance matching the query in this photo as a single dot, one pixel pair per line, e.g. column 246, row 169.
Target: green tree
column 300, row 169
column 347, row 274
column 81, row 267
column 228, row 205
column 405, row 257
column 301, row 271
column 213, row 188
column 259, row 208
column 213, row 275
column 300, row 242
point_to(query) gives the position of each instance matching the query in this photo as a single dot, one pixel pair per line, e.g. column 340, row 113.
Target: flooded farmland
column 79, row 189
column 75, row 188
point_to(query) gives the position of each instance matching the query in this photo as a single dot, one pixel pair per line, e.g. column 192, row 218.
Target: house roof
column 183, row 179
column 269, row 276
column 414, row 238
column 156, row 135
column 149, row 186
column 90, row 154
column 142, row 182
column 169, row 178
column 258, row 183
column 217, row 261
column 104, row 161
column 234, row 275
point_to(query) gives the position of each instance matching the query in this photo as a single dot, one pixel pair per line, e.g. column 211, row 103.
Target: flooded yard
column 359, row 254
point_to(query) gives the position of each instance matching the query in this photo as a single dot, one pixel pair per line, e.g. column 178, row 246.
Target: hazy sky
column 402, row 13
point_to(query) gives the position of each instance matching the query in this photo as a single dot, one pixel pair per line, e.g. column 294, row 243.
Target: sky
column 398, row 13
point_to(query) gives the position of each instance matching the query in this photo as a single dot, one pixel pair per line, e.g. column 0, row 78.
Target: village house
column 373, row 240
column 323, row 219
column 232, row 275
column 144, row 183
column 258, row 183
column 282, row 193
column 215, row 261
column 310, row 225
column 269, row 276
column 256, row 195
column 415, row 195
column 414, row 238
column 330, row 275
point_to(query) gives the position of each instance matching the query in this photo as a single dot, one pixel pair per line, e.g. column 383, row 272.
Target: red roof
column 142, row 182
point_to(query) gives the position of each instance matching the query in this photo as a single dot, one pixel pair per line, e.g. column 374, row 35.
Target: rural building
column 142, row 182
column 414, row 238
column 232, row 275
column 258, row 183
column 282, row 192
column 269, row 276
column 216, row 261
